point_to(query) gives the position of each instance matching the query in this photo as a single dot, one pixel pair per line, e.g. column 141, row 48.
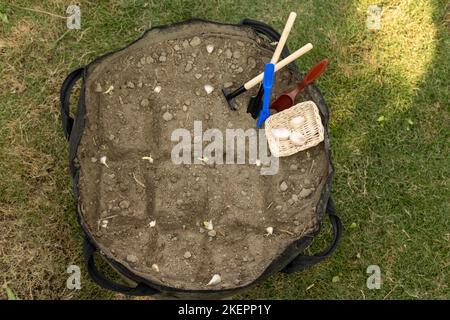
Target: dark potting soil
column 152, row 215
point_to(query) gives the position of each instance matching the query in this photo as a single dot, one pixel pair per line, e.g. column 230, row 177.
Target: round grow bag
column 199, row 229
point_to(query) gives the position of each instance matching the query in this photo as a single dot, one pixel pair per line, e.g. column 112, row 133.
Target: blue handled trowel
column 269, row 72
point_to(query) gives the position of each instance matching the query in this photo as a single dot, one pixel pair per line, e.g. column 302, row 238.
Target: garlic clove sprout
column 149, row 158
column 155, row 267
column 214, row 280
column 103, row 161
column 208, row 225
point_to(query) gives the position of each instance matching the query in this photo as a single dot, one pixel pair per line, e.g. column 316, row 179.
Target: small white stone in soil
column 98, row 87
column 93, row 160
column 216, row 279
column 132, row 258
column 283, row 186
column 209, row 88
column 157, row 89
column 212, row 233
column 187, row 255
column 167, row 116
column 152, row 224
column 145, row 103
column 185, row 108
column 124, row 204
column 251, row 62
column 198, row 76
column 188, row 66
column 210, row 48
column 305, row 193
column 195, row 41
column 105, row 224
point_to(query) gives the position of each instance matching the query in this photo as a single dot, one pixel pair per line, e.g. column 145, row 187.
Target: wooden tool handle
column 283, row 38
column 297, row 54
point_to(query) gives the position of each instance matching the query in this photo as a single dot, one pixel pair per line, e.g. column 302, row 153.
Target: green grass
column 388, row 92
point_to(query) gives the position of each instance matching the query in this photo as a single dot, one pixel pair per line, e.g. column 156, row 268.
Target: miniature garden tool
column 286, row 99
column 254, row 104
column 229, row 96
column 269, row 72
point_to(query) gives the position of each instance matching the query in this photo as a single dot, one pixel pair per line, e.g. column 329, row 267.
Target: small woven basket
column 311, row 129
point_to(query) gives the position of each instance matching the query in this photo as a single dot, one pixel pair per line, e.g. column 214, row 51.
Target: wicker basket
column 311, row 129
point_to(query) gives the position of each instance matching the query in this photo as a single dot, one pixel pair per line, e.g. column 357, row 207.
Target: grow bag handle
column 66, row 88
column 267, row 30
column 302, row 260
column 140, row 290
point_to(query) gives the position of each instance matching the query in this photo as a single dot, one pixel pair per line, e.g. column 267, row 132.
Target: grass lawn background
column 388, row 92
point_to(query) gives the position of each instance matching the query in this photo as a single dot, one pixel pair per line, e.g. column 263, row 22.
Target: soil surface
column 179, row 225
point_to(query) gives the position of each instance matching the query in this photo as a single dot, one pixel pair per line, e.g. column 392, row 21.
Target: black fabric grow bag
column 291, row 260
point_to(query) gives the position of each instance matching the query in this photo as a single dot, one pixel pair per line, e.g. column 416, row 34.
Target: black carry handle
column 140, row 290
column 267, row 30
column 66, row 88
column 302, row 261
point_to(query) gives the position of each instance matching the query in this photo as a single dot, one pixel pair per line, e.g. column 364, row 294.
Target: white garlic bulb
column 297, row 122
column 297, row 138
column 281, row 133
